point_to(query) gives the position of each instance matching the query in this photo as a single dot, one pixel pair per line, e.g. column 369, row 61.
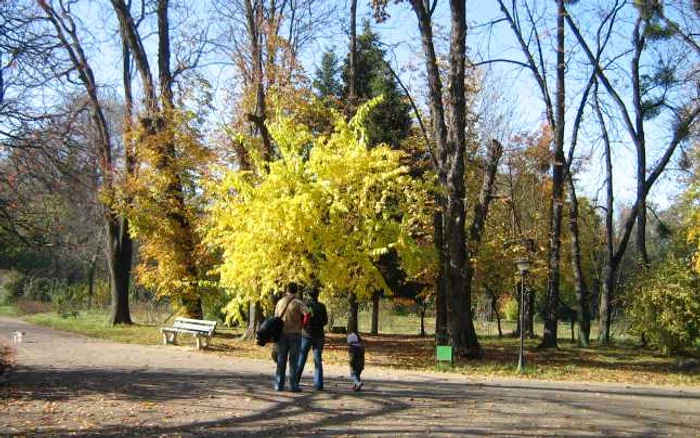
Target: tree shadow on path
column 220, row 403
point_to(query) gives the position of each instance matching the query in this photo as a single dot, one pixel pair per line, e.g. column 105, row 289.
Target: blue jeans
column 355, row 376
column 317, row 345
column 287, row 348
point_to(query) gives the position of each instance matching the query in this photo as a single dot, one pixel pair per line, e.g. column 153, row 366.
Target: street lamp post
column 523, row 265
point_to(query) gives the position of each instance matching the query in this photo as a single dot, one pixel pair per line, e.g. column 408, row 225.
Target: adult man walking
column 313, row 336
column 292, row 310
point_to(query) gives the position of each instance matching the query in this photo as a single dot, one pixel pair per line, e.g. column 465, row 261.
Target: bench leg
column 169, row 337
column 202, row 341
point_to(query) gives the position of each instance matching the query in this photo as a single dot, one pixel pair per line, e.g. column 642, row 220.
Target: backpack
column 271, row 328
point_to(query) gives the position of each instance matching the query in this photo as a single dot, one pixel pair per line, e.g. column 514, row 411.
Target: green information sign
column 444, row 353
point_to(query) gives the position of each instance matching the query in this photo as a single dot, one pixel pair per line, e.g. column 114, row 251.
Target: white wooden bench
column 201, row 329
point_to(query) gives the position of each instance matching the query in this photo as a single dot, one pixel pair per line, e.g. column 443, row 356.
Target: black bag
column 271, row 328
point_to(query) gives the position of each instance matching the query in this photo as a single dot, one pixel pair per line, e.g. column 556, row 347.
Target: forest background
column 199, row 158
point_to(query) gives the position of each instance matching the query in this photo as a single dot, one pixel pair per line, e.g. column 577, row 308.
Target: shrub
column 510, row 310
column 665, row 306
column 68, row 299
column 11, row 287
column 214, row 304
column 39, row 289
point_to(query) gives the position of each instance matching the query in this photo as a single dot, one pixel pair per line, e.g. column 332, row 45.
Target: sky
column 400, row 34
column 517, row 87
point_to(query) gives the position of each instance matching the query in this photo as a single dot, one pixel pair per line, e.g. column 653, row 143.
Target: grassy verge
column 95, row 324
column 621, row 362
column 9, row 311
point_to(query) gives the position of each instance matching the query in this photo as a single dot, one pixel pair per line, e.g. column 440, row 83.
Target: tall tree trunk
column 639, row 42
column 498, row 322
column 549, row 339
column 437, row 112
column 449, row 135
column 120, row 272
column 610, row 267
column 126, row 244
column 254, row 319
column 255, row 19
column 493, row 300
column 520, row 322
column 190, row 300
column 476, row 230
column 352, row 73
column 155, row 121
column 92, row 267
column 441, row 331
column 456, row 255
column 528, row 309
column 375, row 314
column 459, row 271
column 353, row 311
column 529, row 312
column 582, row 313
column 118, row 241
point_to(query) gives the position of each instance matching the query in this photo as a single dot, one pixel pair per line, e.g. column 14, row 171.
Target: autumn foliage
column 325, row 211
column 163, row 204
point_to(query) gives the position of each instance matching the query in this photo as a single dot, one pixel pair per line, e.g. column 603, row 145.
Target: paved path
column 66, row 384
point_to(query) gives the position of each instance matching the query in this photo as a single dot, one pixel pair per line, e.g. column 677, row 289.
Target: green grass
column 95, row 324
column 8, row 310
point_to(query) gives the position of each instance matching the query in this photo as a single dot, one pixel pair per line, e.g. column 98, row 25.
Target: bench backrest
column 201, row 325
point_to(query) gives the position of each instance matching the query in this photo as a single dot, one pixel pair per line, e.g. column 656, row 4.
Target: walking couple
column 303, row 330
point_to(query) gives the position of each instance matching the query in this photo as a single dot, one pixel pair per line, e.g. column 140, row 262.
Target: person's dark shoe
column 295, row 390
column 277, row 388
column 318, row 388
column 357, row 386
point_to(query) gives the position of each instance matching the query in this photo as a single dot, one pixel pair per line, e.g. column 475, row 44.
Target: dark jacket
column 318, row 319
column 357, row 357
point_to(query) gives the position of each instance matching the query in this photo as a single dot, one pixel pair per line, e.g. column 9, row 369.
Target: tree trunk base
column 544, row 345
column 471, row 353
column 248, row 335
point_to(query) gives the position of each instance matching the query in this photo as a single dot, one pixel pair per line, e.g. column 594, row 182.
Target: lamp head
column 523, row 265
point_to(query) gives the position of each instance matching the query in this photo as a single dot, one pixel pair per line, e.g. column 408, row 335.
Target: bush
column 39, row 289
column 11, row 287
column 68, row 299
column 214, row 304
column 665, row 306
column 510, row 310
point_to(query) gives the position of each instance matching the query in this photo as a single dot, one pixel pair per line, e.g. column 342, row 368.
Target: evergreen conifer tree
column 326, row 81
column 390, row 121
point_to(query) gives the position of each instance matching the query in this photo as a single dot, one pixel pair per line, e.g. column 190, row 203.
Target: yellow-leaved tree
column 324, row 212
column 164, row 206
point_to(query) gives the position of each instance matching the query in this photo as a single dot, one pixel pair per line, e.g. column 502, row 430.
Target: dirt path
column 67, row 384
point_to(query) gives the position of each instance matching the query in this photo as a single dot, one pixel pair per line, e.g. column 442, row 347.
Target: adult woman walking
column 313, row 336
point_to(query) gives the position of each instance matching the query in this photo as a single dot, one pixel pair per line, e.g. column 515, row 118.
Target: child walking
column 357, row 360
